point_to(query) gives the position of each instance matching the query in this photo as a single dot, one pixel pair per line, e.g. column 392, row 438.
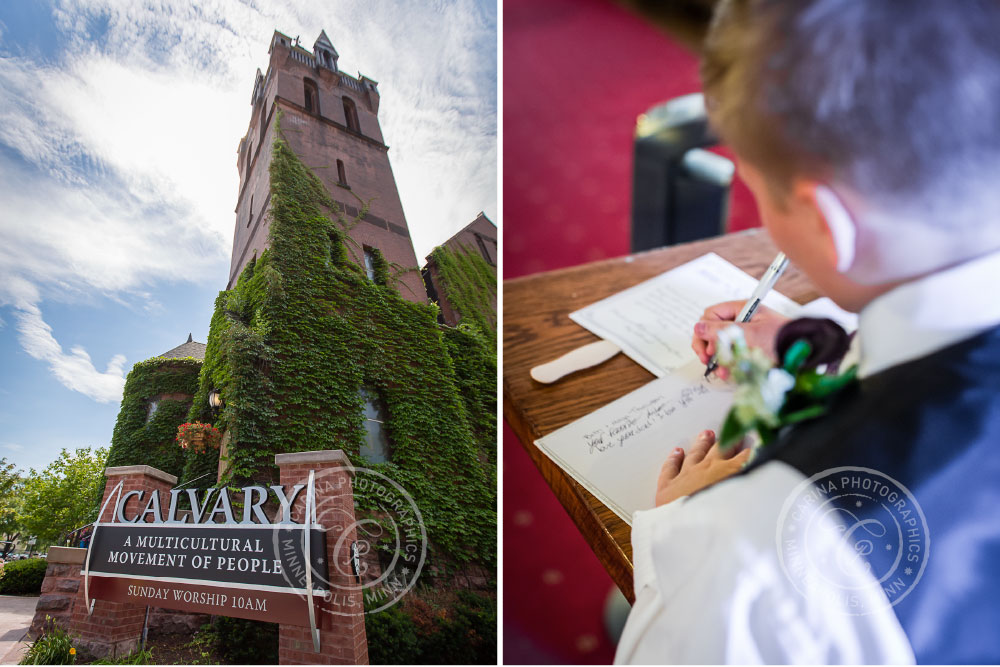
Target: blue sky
column 119, row 125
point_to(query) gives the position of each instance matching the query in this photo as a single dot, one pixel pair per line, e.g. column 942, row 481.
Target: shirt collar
column 928, row 314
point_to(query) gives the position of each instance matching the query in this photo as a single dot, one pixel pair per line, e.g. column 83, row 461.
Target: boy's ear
column 836, row 220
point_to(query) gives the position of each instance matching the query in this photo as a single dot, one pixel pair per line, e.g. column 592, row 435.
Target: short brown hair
column 891, row 98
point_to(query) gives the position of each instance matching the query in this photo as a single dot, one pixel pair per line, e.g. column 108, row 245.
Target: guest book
column 616, row 452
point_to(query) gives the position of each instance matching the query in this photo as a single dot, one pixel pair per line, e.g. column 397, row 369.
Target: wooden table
column 536, row 329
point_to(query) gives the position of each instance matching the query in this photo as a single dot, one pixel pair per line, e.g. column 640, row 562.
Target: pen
column 750, row 307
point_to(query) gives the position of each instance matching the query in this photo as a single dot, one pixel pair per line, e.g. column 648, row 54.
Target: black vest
column 933, row 425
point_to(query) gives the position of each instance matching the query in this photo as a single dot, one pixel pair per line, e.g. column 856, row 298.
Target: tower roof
column 189, row 348
column 325, row 42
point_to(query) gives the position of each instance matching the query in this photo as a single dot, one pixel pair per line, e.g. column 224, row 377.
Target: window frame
column 310, row 92
column 151, row 408
column 368, row 260
column 371, row 396
column 351, row 118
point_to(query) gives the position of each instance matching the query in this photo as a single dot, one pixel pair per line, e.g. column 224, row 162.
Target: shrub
column 243, row 642
column 53, row 648
column 22, row 577
column 392, row 638
column 464, row 634
column 468, row 636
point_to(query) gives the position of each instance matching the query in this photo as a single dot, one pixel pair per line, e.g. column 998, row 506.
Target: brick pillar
column 115, row 628
column 59, row 589
column 340, row 619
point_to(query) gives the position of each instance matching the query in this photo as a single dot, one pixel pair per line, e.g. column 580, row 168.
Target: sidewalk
column 16, row 613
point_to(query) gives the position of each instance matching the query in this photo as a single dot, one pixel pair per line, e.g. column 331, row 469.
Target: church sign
column 223, row 561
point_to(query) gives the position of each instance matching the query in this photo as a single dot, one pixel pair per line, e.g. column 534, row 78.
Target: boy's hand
column 703, row 465
column 759, row 332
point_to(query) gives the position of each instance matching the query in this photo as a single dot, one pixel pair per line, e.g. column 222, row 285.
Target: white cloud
column 435, row 63
column 14, row 447
column 123, row 175
column 74, row 370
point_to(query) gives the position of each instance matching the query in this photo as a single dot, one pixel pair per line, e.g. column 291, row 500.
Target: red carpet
column 576, row 75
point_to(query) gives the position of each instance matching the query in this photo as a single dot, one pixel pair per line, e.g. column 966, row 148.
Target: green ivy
column 142, row 440
column 475, row 364
column 469, row 283
column 381, row 268
column 303, row 330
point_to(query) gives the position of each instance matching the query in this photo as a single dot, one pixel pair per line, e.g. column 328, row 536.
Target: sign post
column 257, row 553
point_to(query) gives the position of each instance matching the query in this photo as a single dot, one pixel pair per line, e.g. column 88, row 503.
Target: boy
column 869, row 133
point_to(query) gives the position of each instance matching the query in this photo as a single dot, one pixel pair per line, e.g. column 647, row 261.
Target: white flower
column 728, row 339
column 774, row 388
column 760, row 391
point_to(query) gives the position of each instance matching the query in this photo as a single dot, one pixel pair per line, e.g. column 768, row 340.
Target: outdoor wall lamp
column 215, row 399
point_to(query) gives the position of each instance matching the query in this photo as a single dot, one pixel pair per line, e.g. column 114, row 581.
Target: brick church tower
column 330, row 120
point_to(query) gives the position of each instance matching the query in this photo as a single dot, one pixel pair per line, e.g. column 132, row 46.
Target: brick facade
column 321, row 136
column 480, row 237
column 341, row 620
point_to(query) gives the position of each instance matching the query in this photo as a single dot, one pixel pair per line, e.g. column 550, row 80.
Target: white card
column 653, row 321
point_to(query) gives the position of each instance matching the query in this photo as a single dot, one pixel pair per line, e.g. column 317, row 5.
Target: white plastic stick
column 575, row 360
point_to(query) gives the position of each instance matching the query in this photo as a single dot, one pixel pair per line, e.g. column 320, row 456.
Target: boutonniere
column 769, row 398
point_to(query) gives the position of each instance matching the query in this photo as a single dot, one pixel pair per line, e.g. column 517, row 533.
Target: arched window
column 341, row 173
column 311, row 96
column 250, row 217
column 249, row 158
column 351, row 115
column 263, row 121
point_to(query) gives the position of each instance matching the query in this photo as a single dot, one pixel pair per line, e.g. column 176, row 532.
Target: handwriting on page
column 652, row 322
column 640, row 419
column 616, row 451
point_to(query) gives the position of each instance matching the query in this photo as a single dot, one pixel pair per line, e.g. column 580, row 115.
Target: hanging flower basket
column 198, row 437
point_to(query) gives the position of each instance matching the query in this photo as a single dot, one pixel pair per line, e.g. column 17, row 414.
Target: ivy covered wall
column 469, row 283
column 143, row 439
column 303, row 330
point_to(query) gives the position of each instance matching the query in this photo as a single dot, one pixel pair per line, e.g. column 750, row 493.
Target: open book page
column 616, row 452
column 652, row 322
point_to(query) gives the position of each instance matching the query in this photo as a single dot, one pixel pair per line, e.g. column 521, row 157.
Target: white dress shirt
column 709, row 581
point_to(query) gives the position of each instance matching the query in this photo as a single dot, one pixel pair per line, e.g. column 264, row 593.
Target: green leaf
column 811, row 412
column 828, row 385
column 797, row 355
column 732, row 431
column 767, row 434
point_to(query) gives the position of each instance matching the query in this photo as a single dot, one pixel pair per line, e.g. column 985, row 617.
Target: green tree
column 60, row 499
column 11, row 484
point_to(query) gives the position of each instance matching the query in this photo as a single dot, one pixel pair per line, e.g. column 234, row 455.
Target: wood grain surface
column 537, row 329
